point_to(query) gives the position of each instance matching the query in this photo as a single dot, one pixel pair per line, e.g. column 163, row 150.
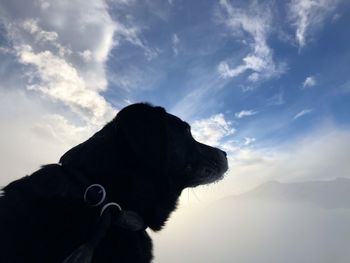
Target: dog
column 135, row 167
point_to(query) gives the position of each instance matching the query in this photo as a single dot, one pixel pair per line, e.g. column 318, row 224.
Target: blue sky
column 300, row 83
column 268, row 81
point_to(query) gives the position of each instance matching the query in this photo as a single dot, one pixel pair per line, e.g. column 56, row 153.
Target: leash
column 111, row 215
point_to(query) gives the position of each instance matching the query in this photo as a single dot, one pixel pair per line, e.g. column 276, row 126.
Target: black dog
column 141, row 160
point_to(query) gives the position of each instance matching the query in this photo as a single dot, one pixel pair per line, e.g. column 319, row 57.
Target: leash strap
column 111, row 215
column 85, row 252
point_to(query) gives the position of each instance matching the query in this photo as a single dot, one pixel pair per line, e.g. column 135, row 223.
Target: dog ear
column 90, row 151
column 143, row 127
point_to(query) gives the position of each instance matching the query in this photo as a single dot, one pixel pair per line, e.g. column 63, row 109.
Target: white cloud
column 41, row 37
column 64, row 62
column 302, row 113
column 309, row 82
column 211, row 131
column 44, row 5
column 201, row 86
column 64, row 46
column 308, row 16
column 51, row 94
column 121, row 2
column 245, row 113
column 131, row 33
column 31, row 25
column 86, row 55
column 320, row 155
column 32, row 134
column 249, row 140
column 175, row 41
column 61, row 81
column 254, row 21
column 227, row 72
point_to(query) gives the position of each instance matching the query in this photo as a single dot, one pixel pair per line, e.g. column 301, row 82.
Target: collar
column 111, row 215
column 95, row 196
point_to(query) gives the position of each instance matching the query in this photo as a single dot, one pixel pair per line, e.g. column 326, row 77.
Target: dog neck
column 111, row 215
column 95, row 195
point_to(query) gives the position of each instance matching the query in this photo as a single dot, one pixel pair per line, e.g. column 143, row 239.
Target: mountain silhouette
column 327, row 194
column 306, row 222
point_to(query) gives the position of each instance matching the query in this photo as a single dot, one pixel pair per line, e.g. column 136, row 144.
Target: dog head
column 146, row 157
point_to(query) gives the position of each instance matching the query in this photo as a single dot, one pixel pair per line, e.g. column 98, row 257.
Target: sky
column 267, row 81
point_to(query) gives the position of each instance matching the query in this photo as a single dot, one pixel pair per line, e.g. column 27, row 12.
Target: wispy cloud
column 277, row 99
column 201, row 86
column 212, row 130
column 175, row 40
column 318, row 155
column 131, row 33
column 249, row 140
column 308, row 16
column 302, row 113
column 245, row 113
column 56, row 75
column 64, row 63
column 254, row 21
column 61, row 81
column 309, row 82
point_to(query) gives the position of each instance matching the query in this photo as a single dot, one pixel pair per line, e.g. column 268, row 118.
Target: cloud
column 66, row 62
column 121, row 2
column 345, row 87
column 227, row 72
column 130, row 33
column 249, row 140
column 255, row 22
column 61, row 81
column 31, row 26
column 86, row 55
column 277, row 99
column 336, row 17
column 175, row 42
column 212, row 130
column 200, row 87
column 245, row 113
column 54, row 71
column 309, row 82
column 63, row 62
column 321, row 155
column 302, row 113
column 307, row 16
column 268, row 221
column 32, row 134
